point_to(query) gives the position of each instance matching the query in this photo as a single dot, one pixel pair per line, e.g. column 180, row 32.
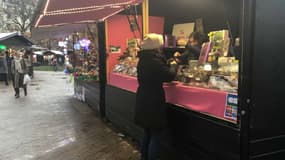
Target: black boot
column 15, row 89
column 17, row 92
column 25, row 90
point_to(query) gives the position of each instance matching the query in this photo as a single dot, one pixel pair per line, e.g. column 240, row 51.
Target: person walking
column 19, row 69
column 4, row 68
column 8, row 60
column 28, row 61
column 54, row 63
column 150, row 111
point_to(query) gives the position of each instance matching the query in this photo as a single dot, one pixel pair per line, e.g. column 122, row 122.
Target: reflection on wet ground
column 49, row 124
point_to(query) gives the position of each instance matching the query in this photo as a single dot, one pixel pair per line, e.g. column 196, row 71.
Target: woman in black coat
column 150, row 110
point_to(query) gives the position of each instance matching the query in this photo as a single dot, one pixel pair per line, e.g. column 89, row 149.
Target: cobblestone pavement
column 49, row 124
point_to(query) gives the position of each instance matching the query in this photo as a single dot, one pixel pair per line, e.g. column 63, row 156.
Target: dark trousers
column 55, row 68
column 5, row 77
column 17, row 91
column 150, row 146
column 21, row 85
column 31, row 71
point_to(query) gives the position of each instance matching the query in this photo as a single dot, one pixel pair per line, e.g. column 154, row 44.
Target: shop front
column 211, row 106
column 80, row 25
column 217, row 107
column 85, row 70
column 75, row 47
column 204, row 97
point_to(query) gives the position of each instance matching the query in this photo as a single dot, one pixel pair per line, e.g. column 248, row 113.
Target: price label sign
column 231, row 108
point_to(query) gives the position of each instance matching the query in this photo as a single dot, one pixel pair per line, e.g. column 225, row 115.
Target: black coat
column 152, row 70
column 191, row 53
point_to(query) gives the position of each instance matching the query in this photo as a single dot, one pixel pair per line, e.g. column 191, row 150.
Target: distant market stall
column 15, row 40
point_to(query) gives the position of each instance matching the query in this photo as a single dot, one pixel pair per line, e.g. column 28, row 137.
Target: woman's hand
column 177, row 54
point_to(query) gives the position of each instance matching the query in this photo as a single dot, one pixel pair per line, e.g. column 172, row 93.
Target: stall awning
column 14, row 40
column 60, row 12
column 57, row 32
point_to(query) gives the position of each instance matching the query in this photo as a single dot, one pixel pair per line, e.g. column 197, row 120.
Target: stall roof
column 56, row 32
column 38, row 47
column 53, row 52
column 14, row 39
column 56, row 52
column 55, row 12
column 4, row 36
column 38, row 52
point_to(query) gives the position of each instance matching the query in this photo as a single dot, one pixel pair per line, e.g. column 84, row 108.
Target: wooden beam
column 145, row 8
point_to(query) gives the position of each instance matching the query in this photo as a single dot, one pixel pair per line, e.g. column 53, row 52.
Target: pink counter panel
column 206, row 101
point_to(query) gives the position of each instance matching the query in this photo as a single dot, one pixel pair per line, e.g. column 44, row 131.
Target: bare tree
column 20, row 14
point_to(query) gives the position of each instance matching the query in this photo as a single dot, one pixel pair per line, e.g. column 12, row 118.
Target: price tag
column 231, row 108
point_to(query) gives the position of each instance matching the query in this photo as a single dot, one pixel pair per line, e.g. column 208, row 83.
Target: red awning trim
column 75, row 10
column 102, row 10
column 86, row 17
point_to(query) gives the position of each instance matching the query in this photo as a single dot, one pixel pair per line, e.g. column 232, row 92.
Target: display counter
column 89, row 92
column 206, row 101
column 190, row 130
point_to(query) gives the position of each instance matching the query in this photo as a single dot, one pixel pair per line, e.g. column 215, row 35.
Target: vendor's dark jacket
column 152, row 71
column 191, row 53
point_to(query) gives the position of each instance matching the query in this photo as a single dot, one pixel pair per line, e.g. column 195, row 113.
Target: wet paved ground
column 49, row 124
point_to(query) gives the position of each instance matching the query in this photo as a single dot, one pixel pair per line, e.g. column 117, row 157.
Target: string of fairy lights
column 78, row 10
column 74, row 12
column 113, row 5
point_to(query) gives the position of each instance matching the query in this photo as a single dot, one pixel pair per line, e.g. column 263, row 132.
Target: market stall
column 15, row 40
column 209, row 104
column 86, row 71
column 64, row 17
column 202, row 89
column 212, row 117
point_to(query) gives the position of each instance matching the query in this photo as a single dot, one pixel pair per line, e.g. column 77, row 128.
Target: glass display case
column 128, row 61
column 127, row 66
column 223, row 76
column 213, row 70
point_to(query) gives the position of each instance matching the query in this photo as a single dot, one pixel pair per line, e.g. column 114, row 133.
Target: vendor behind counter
column 193, row 48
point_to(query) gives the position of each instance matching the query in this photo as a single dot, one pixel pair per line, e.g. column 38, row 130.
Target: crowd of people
column 16, row 67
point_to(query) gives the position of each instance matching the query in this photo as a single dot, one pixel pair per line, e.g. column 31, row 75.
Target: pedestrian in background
column 54, row 63
column 19, row 69
column 4, row 67
column 150, row 112
column 9, row 61
column 28, row 61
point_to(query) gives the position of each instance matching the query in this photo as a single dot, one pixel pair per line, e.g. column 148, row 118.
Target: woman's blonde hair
column 152, row 41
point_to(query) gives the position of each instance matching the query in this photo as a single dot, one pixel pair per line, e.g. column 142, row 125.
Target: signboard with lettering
column 231, row 108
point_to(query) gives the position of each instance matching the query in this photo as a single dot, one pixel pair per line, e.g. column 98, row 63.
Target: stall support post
column 145, row 8
column 102, row 65
column 248, row 19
